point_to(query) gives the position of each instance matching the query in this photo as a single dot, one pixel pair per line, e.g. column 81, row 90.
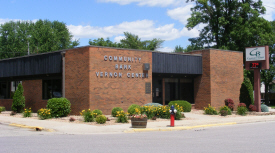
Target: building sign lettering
column 255, row 54
column 121, row 66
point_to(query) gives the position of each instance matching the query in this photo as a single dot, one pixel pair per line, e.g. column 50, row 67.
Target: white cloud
column 2, row 21
column 162, row 3
column 145, row 29
column 118, row 38
column 165, row 49
column 270, row 11
column 181, row 13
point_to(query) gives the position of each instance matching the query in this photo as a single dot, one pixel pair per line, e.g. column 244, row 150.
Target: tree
column 18, row 102
column 42, row 36
column 130, row 41
column 246, row 93
column 232, row 24
column 179, row 49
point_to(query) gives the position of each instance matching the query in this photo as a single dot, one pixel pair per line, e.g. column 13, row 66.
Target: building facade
column 102, row 78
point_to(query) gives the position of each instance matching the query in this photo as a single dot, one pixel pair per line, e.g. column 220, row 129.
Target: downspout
column 63, row 73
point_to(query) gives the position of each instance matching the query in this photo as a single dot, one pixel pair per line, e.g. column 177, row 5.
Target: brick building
column 102, row 77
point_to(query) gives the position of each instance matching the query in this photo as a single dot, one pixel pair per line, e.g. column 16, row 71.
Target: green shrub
column 115, row 109
column 44, row 113
column 18, row 102
column 226, row 108
column 2, row 109
column 27, row 112
column 246, row 92
column 101, row 119
column 210, row 110
column 185, row 104
column 87, row 115
column 149, row 111
column 132, row 109
column 229, row 103
column 264, row 108
column 163, row 112
column 153, row 104
column 242, row 110
column 97, row 112
column 121, row 117
column 60, row 107
column 224, row 112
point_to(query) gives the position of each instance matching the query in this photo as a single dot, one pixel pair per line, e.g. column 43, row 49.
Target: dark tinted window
column 52, row 89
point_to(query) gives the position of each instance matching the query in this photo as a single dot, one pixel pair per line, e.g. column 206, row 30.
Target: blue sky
column 92, row 19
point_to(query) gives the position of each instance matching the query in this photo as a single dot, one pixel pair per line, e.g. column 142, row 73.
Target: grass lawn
column 272, row 107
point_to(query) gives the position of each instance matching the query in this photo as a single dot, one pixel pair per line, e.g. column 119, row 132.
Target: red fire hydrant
column 172, row 111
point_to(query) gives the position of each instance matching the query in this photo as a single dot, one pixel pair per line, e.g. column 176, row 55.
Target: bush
column 87, row 115
column 44, row 113
column 101, row 119
column 2, row 109
column 224, row 112
column 185, row 105
column 153, row 104
column 162, row 112
column 246, row 92
column 252, row 107
column 97, row 112
column 227, row 109
column 115, row 110
column 60, row 107
column 264, row 108
column 18, row 102
column 210, row 110
column 133, row 109
column 178, row 114
column 229, row 103
column 27, row 112
column 149, row 111
column 242, row 110
column 121, row 117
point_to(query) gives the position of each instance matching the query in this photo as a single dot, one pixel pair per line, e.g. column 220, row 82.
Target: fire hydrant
column 172, row 111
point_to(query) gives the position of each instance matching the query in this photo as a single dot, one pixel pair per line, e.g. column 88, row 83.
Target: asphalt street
column 252, row 137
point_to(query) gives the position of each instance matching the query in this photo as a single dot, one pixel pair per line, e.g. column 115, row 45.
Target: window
column 52, row 89
column 8, row 88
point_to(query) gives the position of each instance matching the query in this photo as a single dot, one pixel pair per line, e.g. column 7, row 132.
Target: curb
column 37, row 128
column 177, row 128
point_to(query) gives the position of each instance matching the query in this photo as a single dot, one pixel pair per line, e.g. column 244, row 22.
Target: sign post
column 257, row 58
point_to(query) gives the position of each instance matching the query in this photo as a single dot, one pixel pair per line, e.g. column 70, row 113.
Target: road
column 253, row 137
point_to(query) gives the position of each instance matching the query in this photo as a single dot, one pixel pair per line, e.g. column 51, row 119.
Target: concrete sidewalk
column 192, row 120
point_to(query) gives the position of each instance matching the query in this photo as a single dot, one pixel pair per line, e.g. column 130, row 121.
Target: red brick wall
column 77, row 78
column 33, row 94
column 226, row 76
column 105, row 92
column 222, row 77
column 6, row 103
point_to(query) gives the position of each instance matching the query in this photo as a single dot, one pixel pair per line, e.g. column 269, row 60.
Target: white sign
column 255, row 54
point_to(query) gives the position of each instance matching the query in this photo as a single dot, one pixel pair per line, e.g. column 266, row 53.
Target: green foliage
column 230, row 24
column 97, row 112
column 130, row 41
column 149, row 111
column 42, row 36
column 2, row 109
column 185, row 104
column 153, row 104
column 60, row 107
column 101, row 119
column 210, row 110
column 242, row 110
column 225, row 108
column 179, row 49
column 114, row 111
column 121, row 117
column 27, row 112
column 44, row 113
column 163, row 112
column 87, row 115
column 132, row 109
column 18, row 102
column 224, row 112
column 246, row 92
column 264, row 108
